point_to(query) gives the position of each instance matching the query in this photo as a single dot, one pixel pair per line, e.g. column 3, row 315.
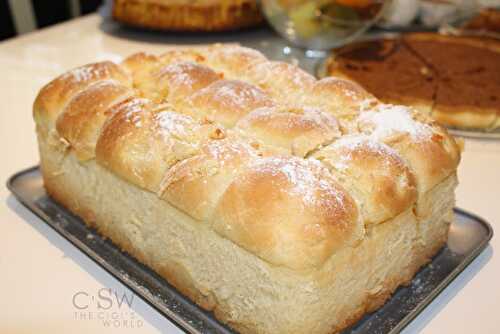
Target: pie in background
column 488, row 19
column 455, row 79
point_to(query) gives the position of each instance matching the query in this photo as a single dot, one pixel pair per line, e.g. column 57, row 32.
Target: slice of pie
column 488, row 19
column 456, row 79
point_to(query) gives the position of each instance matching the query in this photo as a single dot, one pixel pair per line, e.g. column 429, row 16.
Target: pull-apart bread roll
column 281, row 203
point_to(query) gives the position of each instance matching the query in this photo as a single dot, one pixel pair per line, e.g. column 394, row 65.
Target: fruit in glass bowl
column 322, row 24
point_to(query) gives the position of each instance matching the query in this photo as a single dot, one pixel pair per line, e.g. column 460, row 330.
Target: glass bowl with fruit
column 322, row 24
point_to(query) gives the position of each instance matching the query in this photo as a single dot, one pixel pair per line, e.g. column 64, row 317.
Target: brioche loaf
column 281, row 203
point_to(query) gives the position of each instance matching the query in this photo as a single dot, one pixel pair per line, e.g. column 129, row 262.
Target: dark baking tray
column 468, row 236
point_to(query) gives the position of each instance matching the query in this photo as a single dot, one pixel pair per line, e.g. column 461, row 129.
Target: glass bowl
column 322, row 24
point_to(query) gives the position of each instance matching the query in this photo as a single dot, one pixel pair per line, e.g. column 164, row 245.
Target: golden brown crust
column 195, row 185
column 374, row 172
column 176, row 81
column 139, row 66
column 342, row 98
column 288, row 211
column 226, row 101
column 429, row 150
column 297, row 130
column 141, row 141
column 282, row 80
column 188, row 16
column 137, row 63
column 81, row 121
column 54, row 96
column 232, row 59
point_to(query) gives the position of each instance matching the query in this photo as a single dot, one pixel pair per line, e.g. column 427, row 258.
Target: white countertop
column 45, row 280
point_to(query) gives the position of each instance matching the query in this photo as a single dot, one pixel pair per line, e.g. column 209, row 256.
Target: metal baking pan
column 468, row 236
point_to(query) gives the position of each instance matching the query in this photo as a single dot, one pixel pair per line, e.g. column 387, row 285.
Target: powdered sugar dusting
column 240, row 94
column 288, row 76
column 237, row 57
column 134, row 108
column 225, row 150
column 240, row 51
column 86, row 73
column 308, row 180
column 179, row 73
column 390, row 119
column 186, row 74
column 257, row 114
column 347, row 145
column 321, row 118
column 299, row 77
column 174, row 124
column 288, row 119
column 353, row 142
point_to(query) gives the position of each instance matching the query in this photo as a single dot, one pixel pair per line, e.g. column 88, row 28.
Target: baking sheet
column 468, row 236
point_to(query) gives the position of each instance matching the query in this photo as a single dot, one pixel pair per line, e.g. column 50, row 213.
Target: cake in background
column 185, row 15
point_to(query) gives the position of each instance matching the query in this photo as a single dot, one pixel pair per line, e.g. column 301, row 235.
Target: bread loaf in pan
column 281, row 203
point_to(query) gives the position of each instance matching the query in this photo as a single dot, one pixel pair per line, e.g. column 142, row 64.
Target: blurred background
column 22, row 16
